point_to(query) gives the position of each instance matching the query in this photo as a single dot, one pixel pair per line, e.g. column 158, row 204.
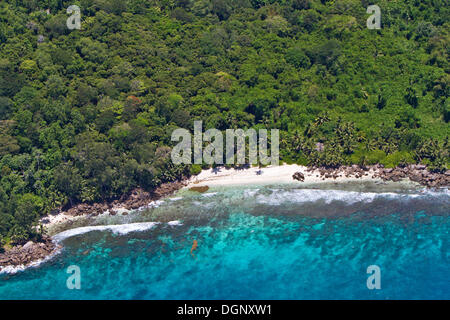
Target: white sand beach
column 267, row 175
column 282, row 174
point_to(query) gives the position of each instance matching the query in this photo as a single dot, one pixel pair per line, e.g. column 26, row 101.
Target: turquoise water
column 269, row 242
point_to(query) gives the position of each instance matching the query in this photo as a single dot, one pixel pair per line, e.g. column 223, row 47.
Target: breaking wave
column 120, row 229
column 280, row 196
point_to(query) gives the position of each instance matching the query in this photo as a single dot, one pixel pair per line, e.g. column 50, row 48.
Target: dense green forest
column 87, row 115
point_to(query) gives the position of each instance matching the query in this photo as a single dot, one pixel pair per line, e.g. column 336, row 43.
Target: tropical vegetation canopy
column 87, row 115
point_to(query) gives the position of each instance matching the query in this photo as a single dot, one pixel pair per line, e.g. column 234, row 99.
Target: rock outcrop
column 417, row 173
column 298, row 176
column 31, row 251
column 200, row 189
column 134, row 200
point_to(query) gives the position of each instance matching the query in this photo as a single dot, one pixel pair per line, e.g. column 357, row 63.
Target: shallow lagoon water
column 257, row 242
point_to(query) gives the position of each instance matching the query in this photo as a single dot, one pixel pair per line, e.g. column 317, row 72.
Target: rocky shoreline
column 28, row 253
column 136, row 199
column 417, row 173
column 31, row 252
column 34, row 251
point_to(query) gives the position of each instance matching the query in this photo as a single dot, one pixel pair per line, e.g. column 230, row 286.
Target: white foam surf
column 175, row 223
column 209, row 194
column 116, row 229
column 280, row 196
column 120, row 229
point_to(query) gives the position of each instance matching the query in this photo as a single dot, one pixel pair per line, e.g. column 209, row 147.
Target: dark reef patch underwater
column 272, row 242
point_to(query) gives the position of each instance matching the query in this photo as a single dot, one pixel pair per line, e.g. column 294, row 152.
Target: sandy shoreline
column 222, row 177
column 282, row 174
column 268, row 175
column 228, row 177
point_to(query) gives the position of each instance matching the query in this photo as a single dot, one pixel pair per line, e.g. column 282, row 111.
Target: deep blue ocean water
column 272, row 242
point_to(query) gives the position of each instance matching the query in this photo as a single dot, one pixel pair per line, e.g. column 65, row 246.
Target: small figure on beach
column 259, row 172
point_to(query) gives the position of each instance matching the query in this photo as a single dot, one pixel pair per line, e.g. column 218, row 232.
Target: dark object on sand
column 298, row 176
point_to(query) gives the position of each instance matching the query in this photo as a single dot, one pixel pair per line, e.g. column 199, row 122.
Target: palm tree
column 310, row 130
column 428, row 149
column 363, row 161
column 321, row 119
column 296, row 140
column 370, row 144
column 389, row 147
column 307, row 146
